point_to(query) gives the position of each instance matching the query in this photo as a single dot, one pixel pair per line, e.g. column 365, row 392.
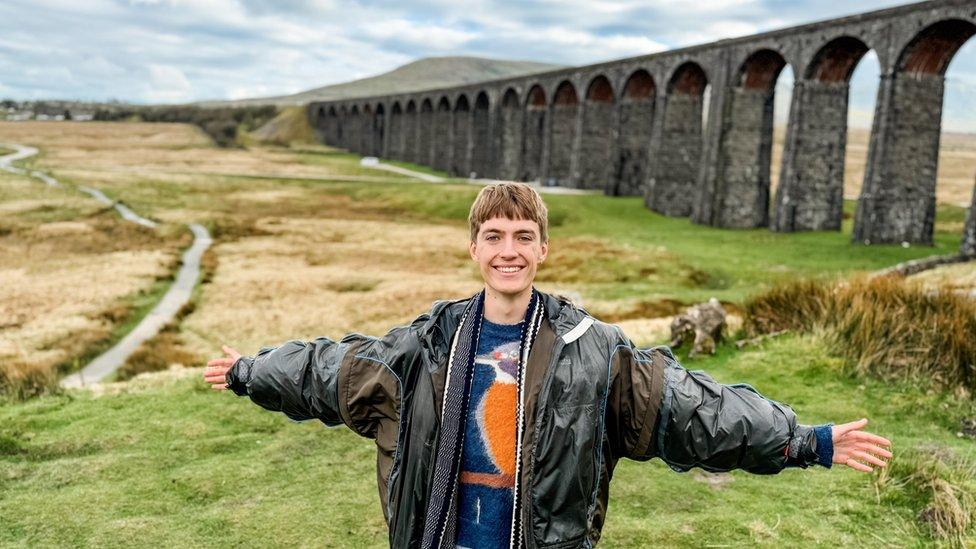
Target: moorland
column 310, row 243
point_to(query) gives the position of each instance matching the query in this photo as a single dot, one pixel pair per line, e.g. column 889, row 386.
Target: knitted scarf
column 440, row 526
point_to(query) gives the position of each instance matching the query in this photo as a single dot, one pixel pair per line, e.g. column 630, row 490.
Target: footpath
column 176, row 296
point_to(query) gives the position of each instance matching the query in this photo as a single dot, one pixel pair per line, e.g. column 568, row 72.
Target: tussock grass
column 939, row 484
column 159, row 353
column 21, row 379
column 888, row 327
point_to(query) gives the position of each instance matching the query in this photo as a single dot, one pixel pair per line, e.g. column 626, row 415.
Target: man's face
column 508, row 252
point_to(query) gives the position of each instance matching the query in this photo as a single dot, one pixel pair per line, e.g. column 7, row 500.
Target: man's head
column 509, row 236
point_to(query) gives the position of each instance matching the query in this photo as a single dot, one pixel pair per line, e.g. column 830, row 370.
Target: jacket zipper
column 543, row 392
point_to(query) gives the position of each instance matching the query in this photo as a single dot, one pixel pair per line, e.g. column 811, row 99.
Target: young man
column 499, row 419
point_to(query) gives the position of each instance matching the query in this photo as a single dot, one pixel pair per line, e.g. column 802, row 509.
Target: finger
column 864, row 456
column 876, row 450
column 871, row 437
column 220, row 362
column 858, row 466
column 216, row 379
column 852, row 426
column 219, row 387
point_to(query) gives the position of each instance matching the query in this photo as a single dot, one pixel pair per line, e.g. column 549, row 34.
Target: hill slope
column 423, row 74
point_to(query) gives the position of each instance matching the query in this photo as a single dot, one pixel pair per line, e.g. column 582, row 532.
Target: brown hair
column 511, row 201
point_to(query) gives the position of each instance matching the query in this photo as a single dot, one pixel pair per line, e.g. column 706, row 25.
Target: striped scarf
column 440, row 527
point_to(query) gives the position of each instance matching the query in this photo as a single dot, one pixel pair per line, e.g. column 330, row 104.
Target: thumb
column 231, row 352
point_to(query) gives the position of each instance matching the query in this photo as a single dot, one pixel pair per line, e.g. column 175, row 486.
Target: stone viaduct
column 646, row 126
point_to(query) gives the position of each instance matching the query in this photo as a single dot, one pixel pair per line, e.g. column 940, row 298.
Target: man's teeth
column 509, row 269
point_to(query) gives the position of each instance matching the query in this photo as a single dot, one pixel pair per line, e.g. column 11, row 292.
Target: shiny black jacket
column 592, row 398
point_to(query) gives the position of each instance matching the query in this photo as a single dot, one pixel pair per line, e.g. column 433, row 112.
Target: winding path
column 176, row 296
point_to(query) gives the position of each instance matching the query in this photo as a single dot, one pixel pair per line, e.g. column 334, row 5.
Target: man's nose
column 508, row 250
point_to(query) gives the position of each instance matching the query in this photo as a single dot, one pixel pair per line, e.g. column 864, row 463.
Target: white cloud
column 168, row 84
column 434, row 37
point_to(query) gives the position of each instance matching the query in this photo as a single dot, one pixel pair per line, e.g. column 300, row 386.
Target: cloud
column 185, row 50
column 167, row 84
column 407, row 35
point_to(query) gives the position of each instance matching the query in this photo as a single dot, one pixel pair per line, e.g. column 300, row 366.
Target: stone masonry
column 639, row 127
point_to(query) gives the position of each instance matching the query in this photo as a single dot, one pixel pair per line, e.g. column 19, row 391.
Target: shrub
column 888, row 327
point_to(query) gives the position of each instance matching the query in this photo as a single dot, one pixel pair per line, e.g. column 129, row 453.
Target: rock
column 704, row 323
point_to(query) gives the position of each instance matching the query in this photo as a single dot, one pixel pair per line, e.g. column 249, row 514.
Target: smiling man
column 499, row 419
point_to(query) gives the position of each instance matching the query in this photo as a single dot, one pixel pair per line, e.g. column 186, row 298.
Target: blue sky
column 163, row 51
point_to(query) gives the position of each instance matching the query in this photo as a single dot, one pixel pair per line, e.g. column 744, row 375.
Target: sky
column 171, row 51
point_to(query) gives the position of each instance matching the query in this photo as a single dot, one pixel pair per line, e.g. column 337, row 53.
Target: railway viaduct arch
column 636, row 127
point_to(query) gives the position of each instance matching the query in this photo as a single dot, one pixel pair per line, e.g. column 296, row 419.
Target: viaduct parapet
column 645, row 125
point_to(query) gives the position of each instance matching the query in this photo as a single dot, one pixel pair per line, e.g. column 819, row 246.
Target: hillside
column 423, row 74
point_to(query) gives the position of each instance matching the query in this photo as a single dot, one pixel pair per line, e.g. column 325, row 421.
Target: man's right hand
column 216, row 371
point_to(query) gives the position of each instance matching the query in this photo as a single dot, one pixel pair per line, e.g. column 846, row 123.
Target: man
column 499, row 419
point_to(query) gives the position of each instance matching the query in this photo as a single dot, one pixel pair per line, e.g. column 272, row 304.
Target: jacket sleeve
column 356, row 381
column 690, row 420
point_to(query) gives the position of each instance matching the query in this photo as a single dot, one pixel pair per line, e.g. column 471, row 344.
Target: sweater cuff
column 811, row 445
column 825, row 444
column 239, row 374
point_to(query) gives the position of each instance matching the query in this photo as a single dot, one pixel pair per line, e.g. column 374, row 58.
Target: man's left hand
column 859, row 449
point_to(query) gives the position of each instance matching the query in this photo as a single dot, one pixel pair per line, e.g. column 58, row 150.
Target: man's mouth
column 509, row 269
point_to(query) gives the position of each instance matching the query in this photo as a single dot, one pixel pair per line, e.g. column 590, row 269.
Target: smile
column 509, row 269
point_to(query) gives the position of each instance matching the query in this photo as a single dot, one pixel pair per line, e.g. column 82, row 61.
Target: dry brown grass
column 303, row 278
column 888, row 327
column 111, row 149
column 66, row 267
column 572, row 261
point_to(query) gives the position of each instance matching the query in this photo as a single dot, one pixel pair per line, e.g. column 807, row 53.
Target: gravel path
column 373, row 162
column 176, row 296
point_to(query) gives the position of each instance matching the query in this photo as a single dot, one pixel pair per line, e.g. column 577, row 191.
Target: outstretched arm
column 690, row 420
column 355, row 381
column 297, row 378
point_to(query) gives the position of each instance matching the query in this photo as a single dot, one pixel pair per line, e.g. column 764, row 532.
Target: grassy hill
column 423, row 74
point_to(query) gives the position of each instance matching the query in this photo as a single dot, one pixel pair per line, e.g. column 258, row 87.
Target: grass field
column 55, row 243
column 310, row 243
column 164, row 461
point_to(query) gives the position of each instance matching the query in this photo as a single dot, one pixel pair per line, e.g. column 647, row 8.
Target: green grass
column 175, row 463
column 417, row 168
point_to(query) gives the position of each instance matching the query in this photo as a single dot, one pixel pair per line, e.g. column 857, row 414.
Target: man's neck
column 506, row 309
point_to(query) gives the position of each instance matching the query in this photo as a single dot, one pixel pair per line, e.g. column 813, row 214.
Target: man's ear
column 472, row 249
column 545, row 252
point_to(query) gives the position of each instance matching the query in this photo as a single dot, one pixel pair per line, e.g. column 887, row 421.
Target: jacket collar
column 565, row 318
